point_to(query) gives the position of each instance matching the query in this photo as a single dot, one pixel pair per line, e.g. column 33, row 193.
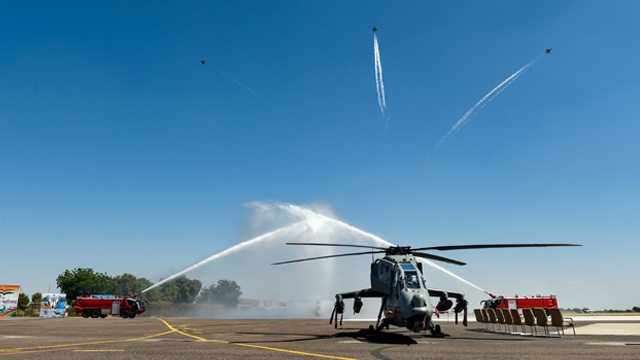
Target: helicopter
column 398, row 280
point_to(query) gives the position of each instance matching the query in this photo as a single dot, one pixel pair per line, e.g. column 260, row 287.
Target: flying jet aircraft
column 549, row 50
column 202, row 61
column 374, row 29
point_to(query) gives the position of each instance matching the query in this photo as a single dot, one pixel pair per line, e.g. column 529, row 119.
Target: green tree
column 103, row 284
column 183, row 290
column 151, row 295
column 78, row 282
column 125, row 285
column 23, row 301
column 225, row 292
column 206, row 295
column 84, row 282
column 37, row 297
column 636, row 309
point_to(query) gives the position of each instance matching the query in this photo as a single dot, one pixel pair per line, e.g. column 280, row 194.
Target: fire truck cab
column 102, row 307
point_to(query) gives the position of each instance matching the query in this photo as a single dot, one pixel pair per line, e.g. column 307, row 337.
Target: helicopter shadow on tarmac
column 361, row 335
column 381, row 337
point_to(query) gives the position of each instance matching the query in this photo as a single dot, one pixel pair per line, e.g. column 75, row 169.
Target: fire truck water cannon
column 490, row 294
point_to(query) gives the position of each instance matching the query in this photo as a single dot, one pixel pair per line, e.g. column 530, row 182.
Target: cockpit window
column 413, row 282
column 407, row 267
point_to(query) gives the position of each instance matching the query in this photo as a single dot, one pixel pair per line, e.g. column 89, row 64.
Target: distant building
column 260, row 304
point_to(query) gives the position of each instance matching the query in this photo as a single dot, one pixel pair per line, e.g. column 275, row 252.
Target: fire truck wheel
column 86, row 313
column 95, row 313
column 124, row 314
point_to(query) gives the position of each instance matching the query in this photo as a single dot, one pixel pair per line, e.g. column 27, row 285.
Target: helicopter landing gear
column 437, row 331
column 383, row 324
column 338, row 308
column 373, row 331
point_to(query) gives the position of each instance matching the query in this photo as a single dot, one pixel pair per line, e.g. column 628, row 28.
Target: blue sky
column 119, row 151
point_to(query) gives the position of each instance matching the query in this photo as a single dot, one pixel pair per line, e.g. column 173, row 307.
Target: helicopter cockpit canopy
column 412, row 279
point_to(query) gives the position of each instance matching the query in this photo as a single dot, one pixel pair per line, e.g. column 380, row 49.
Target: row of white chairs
column 511, row 319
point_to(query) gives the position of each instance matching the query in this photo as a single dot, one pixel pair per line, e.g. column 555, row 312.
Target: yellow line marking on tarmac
column 95, row 350
column 87, row 343
column 292, row 351
column 28, row 352
column 256, row 346
column 189, row 335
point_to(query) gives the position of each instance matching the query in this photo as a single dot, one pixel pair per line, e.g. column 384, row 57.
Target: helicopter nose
column 419, row 311
column 419, row 305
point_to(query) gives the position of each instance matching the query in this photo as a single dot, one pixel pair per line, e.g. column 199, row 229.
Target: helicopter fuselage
column 406, row 302
column 398, row 280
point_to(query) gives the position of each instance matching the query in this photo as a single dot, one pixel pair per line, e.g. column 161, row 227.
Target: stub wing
column 439, row 292
column 364, row 293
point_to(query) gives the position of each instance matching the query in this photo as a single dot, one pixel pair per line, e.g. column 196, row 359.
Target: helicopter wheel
column 436, row 331
column 372, row 332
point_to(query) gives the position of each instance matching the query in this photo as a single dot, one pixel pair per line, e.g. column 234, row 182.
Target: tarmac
column 173, row 338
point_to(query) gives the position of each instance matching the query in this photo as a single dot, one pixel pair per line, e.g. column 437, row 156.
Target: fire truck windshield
column 141, row 304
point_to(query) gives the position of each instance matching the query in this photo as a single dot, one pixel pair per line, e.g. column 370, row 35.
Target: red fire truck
column 102, row 307
column 527, row 302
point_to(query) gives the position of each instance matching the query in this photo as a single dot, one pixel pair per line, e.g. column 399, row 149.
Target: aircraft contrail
column 378, row 70
column 485, row 100
column 239, row 83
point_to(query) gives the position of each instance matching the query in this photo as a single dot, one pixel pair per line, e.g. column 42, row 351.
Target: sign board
column 9, row 300
column 53, row 305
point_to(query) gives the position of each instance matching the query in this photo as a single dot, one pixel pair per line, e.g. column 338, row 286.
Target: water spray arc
column 294, row 228
column 306, row 212
column 485, row 100
column 309, row 220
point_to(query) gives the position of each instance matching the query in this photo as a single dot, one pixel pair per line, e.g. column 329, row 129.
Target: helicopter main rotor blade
column 327, row 257
column 344, row 245
column 489, row 246
column 438, row 258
